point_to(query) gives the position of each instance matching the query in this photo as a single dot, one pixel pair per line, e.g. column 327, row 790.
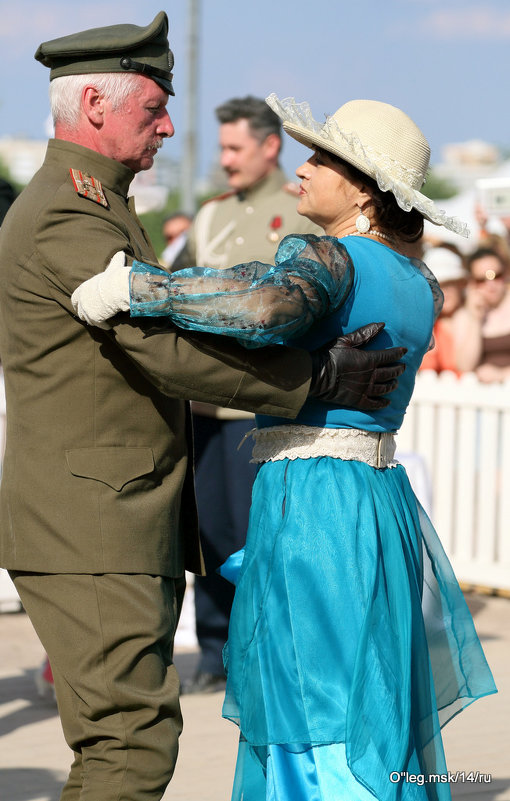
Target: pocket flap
column 112, row 466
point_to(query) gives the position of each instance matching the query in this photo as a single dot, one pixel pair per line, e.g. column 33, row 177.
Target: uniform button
column 240, row 240
column 249, row 209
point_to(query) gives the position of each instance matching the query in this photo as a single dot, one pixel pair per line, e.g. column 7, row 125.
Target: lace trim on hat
column 389, row 174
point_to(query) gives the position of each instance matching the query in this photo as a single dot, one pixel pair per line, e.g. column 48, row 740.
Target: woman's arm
column 467, row 331
column 257, row 303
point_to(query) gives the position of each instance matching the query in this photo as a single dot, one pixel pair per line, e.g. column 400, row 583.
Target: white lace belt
column 376, row 449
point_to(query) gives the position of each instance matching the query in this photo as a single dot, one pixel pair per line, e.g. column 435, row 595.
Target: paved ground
column 34, row 757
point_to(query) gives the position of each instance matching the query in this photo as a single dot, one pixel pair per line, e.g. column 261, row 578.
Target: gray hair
column 65, row 92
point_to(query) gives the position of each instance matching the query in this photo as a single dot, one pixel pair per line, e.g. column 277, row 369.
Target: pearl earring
column 362, row 223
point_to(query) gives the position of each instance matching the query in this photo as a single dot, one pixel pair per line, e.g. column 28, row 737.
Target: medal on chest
column 275, row 225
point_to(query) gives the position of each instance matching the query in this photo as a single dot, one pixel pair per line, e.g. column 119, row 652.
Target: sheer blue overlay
column 257, row 303
column 348, row 627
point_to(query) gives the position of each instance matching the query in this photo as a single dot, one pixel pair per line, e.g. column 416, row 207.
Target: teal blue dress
column 350, row 643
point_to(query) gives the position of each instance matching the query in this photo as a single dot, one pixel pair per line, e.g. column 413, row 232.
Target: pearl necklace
column 373, row 232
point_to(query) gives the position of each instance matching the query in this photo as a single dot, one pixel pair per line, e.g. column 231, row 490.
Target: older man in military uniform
column 242, row 225
column 97, row 514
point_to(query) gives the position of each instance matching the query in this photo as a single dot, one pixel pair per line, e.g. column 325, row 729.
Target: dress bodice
column 318, row 289
column 390, row 288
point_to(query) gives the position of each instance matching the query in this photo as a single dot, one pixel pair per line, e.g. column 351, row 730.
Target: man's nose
column 166, row 126
column 225, row 158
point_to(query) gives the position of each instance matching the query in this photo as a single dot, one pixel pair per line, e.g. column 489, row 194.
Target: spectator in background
column 484, row 320
column 446, row 264
column 174, row 231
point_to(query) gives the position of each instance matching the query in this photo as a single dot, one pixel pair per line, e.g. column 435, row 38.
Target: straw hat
column 378, row 139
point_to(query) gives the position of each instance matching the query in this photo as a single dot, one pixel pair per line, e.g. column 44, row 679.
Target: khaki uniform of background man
column 243, row 225
column 97, row 514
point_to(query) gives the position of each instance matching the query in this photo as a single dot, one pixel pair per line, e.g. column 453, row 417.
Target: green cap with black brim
column 114, row 48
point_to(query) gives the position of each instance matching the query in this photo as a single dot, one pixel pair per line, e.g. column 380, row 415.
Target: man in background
column 174, row 231
column 242, row 225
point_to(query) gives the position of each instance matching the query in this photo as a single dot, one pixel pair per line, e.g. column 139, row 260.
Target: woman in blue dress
column 350, row 642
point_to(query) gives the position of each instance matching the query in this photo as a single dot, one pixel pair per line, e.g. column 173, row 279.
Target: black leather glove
column 345, row 375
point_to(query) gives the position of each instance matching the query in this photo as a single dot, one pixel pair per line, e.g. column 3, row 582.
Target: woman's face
column 487, row 277
column 327, row 195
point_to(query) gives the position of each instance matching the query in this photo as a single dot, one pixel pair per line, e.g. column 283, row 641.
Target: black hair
column 261, row 119
column 176, row 215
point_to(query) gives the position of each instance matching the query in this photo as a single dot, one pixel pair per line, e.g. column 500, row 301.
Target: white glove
column 105, row 294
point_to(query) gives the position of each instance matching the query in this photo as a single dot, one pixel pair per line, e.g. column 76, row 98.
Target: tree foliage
column 437, row 188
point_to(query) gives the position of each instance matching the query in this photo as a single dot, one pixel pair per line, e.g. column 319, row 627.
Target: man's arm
column 72, row 247
column 275, row 381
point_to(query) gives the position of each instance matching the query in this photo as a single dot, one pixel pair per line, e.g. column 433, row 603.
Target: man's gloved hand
column 345, row 375
column 105, row 294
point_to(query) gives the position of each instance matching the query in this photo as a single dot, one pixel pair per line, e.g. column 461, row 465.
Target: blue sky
column 446, row 64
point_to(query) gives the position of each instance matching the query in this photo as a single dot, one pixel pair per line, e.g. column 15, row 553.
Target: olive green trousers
column 109, row 639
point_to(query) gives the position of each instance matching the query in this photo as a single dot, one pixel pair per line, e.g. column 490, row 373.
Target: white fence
column 461, row 428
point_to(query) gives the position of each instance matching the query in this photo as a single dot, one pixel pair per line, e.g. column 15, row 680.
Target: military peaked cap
column 115, row 48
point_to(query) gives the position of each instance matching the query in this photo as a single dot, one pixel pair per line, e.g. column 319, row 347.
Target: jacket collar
column 112, row 174
column 266, row 187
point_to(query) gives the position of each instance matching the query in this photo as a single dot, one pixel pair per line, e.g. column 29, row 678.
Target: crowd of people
column 350, row 644
column 472, row 333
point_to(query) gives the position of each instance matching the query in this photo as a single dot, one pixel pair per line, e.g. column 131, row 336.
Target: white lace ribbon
column 376, row 449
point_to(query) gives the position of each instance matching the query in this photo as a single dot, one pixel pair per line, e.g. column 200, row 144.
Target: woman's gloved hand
column 344, row 374
column 105, row 294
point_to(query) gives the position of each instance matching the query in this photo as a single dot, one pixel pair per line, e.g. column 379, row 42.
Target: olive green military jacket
column 96, row 476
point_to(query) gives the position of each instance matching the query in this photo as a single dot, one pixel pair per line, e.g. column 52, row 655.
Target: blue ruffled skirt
column 350, row 643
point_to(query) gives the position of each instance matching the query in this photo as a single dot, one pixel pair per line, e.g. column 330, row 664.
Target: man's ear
column 272, row 145
column 93, row 105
